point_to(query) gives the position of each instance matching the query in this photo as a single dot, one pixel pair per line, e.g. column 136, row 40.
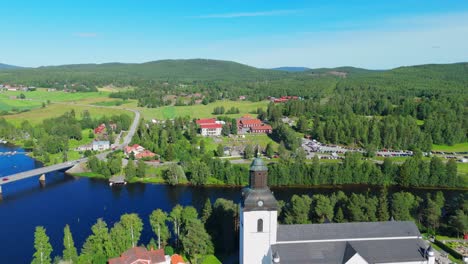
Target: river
column 79, row 202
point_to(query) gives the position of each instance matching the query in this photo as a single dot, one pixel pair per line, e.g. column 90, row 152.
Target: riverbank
column 214, row 183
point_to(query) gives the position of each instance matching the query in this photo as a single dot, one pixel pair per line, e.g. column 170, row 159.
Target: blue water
column 79, row 202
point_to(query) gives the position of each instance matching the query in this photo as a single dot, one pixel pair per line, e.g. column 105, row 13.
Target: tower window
column 260, row 225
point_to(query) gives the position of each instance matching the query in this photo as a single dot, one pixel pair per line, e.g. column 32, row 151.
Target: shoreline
column 147, row 180
column 96, row 176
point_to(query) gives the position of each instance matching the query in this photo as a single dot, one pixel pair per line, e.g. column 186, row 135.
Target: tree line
column 432, row 212
column 184, row 230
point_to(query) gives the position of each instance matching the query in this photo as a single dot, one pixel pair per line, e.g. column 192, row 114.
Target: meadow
column 461, row 147
column 199, row 111
column 55, row 109
column 34, row 99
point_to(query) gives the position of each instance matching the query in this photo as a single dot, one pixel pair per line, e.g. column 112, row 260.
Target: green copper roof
column 258, row 165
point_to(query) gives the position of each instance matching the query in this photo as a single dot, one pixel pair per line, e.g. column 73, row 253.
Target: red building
column 140, row 255
column 206, row 121
column 261, row 129
column 100, row 129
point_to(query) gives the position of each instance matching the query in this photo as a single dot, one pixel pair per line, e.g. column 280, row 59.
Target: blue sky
column 369, row 34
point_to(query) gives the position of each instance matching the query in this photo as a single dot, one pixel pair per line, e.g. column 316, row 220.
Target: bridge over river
column 39, row 171
column 66, row 165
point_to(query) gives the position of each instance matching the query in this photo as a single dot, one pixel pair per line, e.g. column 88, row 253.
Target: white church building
column 263, row 240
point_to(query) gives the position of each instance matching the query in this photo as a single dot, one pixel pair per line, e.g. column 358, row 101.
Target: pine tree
column 339, row 216
column 98, row 247
column 197, row 241
column 270, row 152
column 383, row 214
column 207, row 210
column 42, row 246
column 130, row 170
column 69, row 253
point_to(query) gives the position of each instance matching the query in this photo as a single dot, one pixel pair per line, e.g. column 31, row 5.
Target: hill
column 7, row 66
column 133, row 73
column 291, row 69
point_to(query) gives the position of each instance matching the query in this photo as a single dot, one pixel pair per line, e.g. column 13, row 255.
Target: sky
column 271, row 33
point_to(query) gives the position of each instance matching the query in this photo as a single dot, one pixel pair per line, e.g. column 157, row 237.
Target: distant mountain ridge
column 291, row 69
column 7, row 66
column 206, row 70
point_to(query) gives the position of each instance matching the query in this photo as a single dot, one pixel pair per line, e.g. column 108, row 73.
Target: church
column 263, row 240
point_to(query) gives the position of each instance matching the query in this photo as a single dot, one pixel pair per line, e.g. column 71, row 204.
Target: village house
column 283, row 99
column 139, row 152
column 100, row 129
column 137, row 255
column 267, row 129
column 247, row 124
column 210, row 127
column 101, row 145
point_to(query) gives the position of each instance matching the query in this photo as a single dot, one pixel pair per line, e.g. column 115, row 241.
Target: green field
column 42, row 94
column 34, row 99
column 200, row 111
column 461, row 147
column 53, row 110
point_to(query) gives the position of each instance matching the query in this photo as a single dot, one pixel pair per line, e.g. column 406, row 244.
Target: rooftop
column 346, row 231
column 372, row 251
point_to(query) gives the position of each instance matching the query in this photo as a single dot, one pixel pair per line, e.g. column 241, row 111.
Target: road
column 69, row 164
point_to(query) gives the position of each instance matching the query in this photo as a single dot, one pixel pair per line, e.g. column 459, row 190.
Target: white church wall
column 255, row 245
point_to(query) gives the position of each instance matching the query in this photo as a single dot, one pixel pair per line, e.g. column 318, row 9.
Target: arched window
column 260, row 225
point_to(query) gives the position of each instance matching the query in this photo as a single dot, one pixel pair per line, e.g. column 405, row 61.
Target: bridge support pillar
column 42, row 181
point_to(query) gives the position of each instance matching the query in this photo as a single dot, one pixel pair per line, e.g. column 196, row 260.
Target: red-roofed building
column 206, row 121
column 177, row 259
column 135, row 149
column 145, row 154
column 139, row 255
column 100, row 129
column 261, row 129
column 250, row 123
column 211, row 129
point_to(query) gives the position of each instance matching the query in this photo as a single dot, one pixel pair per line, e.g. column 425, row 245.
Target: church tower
column 258, row 217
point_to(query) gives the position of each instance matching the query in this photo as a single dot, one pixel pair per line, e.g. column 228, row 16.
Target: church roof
column 258, row 165
column 251, row 197
column 347, row 231
column 372, row 251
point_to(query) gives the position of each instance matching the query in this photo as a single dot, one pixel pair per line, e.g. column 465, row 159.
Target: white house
column 263, row 240
column 101, row 145
column 211, row 129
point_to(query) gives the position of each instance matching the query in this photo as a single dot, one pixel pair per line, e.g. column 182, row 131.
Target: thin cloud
column 251, row 14
column 85, row 34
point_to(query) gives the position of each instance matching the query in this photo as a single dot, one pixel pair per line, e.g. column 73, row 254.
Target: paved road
column 69, row 164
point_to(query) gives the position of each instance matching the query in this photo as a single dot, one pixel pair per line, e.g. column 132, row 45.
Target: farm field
column 53, row 110
column 461, row 147
column 34, row 99
column 56, row 96
column 199, row 111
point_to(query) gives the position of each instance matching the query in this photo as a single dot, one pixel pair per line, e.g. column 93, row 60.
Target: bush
column 169, row 251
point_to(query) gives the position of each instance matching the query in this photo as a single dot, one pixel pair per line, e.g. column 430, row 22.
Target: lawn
column 200, row 111
column 54, row 110
column 461, row 147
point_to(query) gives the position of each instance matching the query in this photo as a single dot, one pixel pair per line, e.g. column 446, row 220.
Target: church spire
column 258, row 174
